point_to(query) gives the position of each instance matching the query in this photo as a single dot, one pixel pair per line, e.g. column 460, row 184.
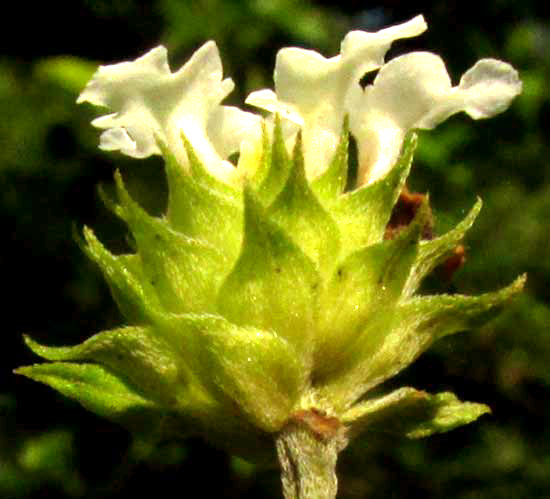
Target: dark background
column 50, row 168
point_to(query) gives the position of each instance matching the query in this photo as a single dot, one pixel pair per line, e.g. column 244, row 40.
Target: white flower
column 312, row 91
column 149, row 101
column 414, row 91
column 314, row 94
column 411, row 91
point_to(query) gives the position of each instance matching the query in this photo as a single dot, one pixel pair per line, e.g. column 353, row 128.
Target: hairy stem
column 308, row 448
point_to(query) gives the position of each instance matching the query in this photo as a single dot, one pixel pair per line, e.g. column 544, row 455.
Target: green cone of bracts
column 249, row 307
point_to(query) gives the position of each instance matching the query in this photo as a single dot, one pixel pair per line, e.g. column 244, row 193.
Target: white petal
column 117, row 139
column 414, row 27
column 365, row 51
column 303, row 76
column 144, row 143
column 104, row 88
column 379, row 143
column 488, row 88
column 228, row 126
column 409, row 88
column 267, row 99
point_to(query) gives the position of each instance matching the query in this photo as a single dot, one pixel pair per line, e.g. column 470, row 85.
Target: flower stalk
column 308, row 448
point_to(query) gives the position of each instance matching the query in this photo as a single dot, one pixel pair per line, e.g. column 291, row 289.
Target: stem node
column 308, row 448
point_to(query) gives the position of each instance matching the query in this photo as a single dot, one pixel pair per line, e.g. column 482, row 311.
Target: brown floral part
column 403, row 214
column 448, row 268
column 321, row 425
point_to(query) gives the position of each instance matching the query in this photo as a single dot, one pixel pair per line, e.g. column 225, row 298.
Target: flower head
column 273, row 295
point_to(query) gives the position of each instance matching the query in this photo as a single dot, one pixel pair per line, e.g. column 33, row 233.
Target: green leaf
column 256, row 371
column 133, row 294
column 273, row 285
column 332, row 182
column 363, row 214
column 433, row 252
column 368, row 280
column 302, row 217
column 185, row 272
column 113, row 396
column 433, row 317
column 412, row 413
column 131, row 353
column 202, row 207
column 396, row 336
column 99, row 390
column 95, row 387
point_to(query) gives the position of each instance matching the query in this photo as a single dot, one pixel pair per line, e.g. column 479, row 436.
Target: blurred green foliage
column 49, row 171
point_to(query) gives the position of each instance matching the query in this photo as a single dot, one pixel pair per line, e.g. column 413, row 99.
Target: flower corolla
column 409, row 92
column 312, row 93
column 151, row 103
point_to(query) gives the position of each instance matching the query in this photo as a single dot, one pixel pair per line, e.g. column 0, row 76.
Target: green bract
column 267, row 291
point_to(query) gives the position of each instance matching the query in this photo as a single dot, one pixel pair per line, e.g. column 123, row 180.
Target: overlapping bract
column 270, row 289
column 304, row 304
